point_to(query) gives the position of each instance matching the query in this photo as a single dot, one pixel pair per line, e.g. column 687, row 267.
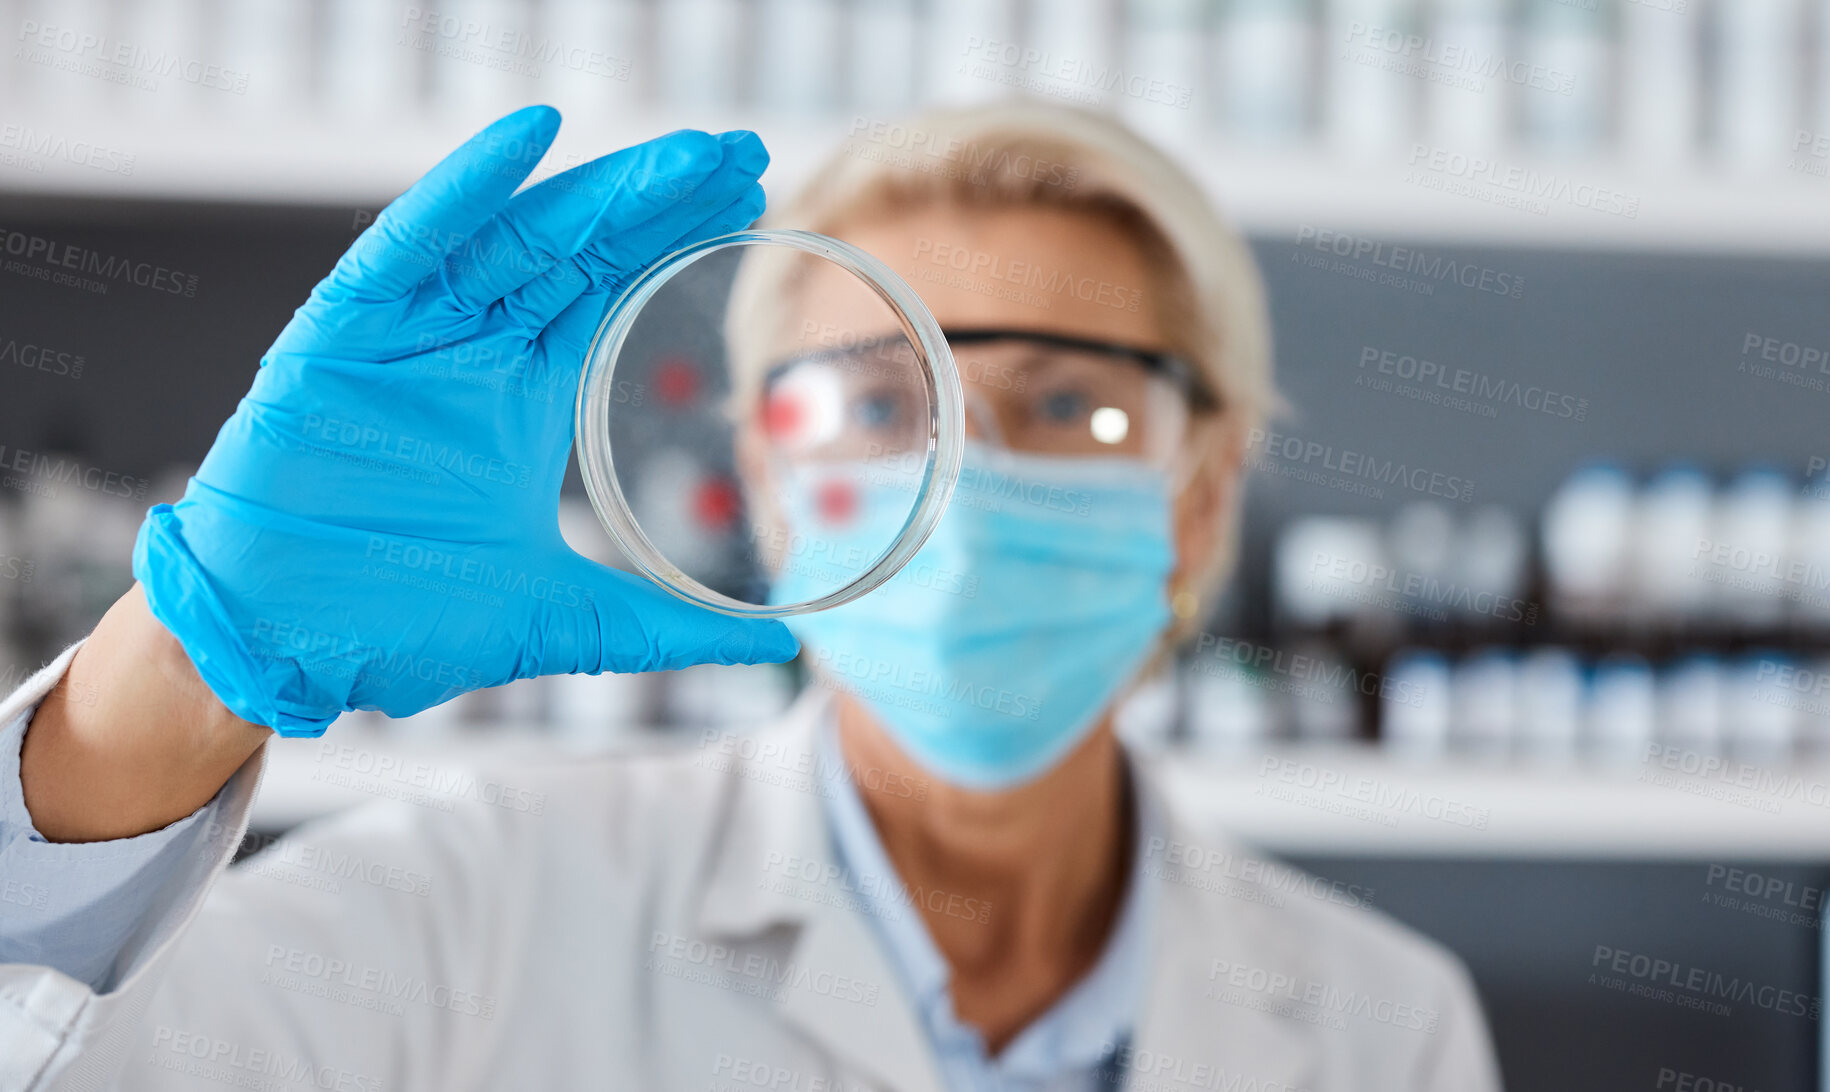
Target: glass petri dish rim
column 940, row 375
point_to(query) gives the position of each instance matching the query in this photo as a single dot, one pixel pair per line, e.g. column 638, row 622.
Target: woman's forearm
column 132, row 740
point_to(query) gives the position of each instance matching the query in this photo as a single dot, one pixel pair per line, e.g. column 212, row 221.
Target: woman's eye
column 1063, row 407
column 876, row 410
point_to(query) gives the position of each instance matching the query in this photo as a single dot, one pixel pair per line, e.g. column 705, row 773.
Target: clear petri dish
column 769, row 423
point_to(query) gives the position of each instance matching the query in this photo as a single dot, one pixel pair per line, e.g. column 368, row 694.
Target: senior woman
column 942, row 870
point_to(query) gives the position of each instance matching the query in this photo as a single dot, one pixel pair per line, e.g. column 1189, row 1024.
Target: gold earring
column 1185, row 604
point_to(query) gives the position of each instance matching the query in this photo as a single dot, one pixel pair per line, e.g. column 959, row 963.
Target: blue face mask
column 995, row 651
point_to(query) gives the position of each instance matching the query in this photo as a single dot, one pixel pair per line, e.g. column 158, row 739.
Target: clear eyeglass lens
column 866, row 403
column 1029, row 397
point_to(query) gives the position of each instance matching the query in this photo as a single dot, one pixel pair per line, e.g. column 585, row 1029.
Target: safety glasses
column 1027, row 391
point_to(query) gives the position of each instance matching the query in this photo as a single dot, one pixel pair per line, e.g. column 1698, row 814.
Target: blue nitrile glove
column 377, row 525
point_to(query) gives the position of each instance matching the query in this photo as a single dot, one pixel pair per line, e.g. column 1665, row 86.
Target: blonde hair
column 1209, row 300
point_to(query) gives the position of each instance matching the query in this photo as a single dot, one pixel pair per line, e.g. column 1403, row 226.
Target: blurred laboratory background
column 1530, row 637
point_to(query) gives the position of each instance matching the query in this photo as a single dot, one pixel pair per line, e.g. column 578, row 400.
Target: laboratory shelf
column 1332, row 206
column 1362, row 801
column 1334, row 800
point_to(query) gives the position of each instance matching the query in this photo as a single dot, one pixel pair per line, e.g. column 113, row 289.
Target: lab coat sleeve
column 72, row 906
column 57, row 1030
column 284, row 971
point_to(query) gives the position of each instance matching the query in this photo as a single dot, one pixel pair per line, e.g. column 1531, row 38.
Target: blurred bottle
column 1565, row 95
column 78, row 90
column 1326, row 568
column 1668, row 575
column 373, row 59
column 1073, row 41
column 883, row 56
column 1762, row 706
column 1322, row 692
column 1490, row 563
column 1752, row 535
column 179, row 28
column 482, row 63
column 1484, row 704
column 1758, row 83
column 1227, row 709
column 593, row 78
column 1164, row 41
column 1421, row 544
column 697, row 44
column 800, row 40
column 1264, row 68
column 1691, row 704
column 1810, row 553
column 966, row 48
column 1814, row 711
column 1618, row 724
column 1820, row 71
column 1660, row 53
column 1588, row 531
column 1471, row 36
column 1416, row 709
column 1550, row 699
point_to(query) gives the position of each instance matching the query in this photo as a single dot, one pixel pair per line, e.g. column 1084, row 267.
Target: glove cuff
column 185, row 602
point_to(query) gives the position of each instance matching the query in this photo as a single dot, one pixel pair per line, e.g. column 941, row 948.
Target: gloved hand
column 376, row 527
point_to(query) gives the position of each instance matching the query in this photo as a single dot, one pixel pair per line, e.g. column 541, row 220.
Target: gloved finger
column 569, row 333
column 535, row 304
column 411, row 238
column 629, row 624
column 613, row 194
column 617, row 258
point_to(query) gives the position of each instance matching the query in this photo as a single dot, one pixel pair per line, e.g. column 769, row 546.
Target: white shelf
column 362, row 162
column 1372, row 804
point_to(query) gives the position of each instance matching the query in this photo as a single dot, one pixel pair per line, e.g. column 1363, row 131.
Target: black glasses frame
column 1187, row 379
column 1170, row 366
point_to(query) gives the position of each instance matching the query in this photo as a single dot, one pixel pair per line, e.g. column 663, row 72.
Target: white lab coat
column 629, row 923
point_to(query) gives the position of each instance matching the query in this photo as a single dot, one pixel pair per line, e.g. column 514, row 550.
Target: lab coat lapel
column 773, row 813
column 1184, row 1032
column 884, row 1038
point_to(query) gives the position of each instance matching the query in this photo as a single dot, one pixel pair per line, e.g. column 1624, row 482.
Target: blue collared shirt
column 73, row 905
column 1072, row 1046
